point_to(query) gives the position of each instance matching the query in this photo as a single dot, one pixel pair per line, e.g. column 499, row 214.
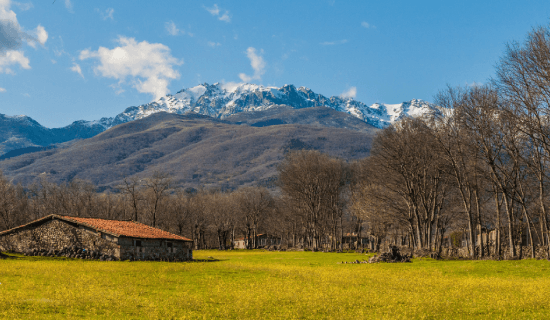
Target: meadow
column 273, row 285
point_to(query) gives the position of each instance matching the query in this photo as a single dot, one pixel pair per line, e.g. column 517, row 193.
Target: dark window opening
column 169, row 244
column 138, row 243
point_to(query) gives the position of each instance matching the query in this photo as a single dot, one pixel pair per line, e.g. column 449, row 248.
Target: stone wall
column 57, row 235
column 155, row 250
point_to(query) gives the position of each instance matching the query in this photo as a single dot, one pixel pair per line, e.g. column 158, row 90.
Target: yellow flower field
column 273, row 285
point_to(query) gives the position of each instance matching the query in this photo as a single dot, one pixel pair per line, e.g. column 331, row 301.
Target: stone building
column 116, row 239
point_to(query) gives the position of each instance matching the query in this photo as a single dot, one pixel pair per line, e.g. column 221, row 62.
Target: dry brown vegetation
column 212, row 218
column 197, row 151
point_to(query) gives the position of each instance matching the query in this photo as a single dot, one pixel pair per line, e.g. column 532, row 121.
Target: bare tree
column 314, row 183
column 406, row 162
column 132, row 188
column 254, row 204
column 464, row 163
column 157, row 188
column 523, row 77
column 13, row 204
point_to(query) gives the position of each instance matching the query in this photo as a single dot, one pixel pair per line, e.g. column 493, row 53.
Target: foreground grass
column 244, row 285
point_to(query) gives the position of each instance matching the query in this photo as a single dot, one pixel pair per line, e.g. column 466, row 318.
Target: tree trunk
column 478, row 212
column 530, row 234
column 498, row 250
column 510, row 226
column 543, row 223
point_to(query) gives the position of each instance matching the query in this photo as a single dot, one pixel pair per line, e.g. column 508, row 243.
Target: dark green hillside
column 196, row 150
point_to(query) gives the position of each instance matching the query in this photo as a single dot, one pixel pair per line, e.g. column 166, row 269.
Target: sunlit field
column 276, row 285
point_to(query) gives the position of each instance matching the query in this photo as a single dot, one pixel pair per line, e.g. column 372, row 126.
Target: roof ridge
column 150, row 232
column 96, row 218
column 113, row 227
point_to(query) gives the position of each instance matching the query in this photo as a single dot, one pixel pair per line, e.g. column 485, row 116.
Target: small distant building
column 262, row 240
column 123, row 240
column 241, row 243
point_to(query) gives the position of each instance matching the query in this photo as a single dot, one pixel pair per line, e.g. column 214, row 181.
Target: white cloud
column 214, row 44
column 350, row 93
column 108, row 14
column 230, row 86
column 149, row 66
column 172, row 29
column 41, row 35
column 13, row 57
column 23, row 6
column 76, row 68
column 5, row 12
column 216, row 11
column 2, row 90
column 258, row 64
column 12, row 37
column 11, row 34
column 69, row 6
column 225, row 17
column 367, row 25
column 332, row 43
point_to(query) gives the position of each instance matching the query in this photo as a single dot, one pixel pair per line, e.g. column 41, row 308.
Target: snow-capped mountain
column 216, row 100
column 221, row 100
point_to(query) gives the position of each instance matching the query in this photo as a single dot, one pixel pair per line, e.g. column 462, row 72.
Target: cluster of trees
column 309, row 208
column 482, row 163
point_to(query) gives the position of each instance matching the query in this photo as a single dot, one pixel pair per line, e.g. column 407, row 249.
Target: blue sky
column 71, row 60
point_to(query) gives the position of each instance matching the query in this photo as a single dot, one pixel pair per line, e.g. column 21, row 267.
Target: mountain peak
column 221, row 100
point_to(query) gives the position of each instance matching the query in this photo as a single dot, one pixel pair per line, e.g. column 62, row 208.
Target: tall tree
column 314, row 182
column 406, row 161
column 523, row 77
column 132, row 188
column 157, row 188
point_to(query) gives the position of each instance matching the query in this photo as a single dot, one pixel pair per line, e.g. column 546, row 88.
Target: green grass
column 278, row 285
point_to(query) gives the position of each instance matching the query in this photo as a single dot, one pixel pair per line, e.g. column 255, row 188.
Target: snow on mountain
column 216, row 100
column 222, row 100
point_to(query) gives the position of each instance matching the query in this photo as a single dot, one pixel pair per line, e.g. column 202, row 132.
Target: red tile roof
column 114, row 227
column 125, row 228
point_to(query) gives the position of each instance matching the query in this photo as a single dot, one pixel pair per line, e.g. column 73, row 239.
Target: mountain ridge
column 222, row 101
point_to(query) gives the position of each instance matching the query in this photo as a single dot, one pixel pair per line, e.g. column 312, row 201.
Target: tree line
column 480, row 164
column 307, row 209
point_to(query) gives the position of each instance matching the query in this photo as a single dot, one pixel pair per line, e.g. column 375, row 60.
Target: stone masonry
column 95, row 238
